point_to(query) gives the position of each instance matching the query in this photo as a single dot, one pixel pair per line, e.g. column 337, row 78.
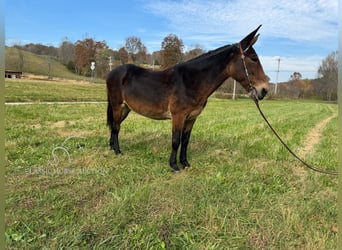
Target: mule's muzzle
column 262, row 93
column 258, row 94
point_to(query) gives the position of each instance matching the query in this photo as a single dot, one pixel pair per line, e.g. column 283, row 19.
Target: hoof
column 185, row 164
column 117, row 152
column 175, row 168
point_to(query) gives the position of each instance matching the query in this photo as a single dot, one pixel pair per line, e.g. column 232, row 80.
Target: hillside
column 35, row 64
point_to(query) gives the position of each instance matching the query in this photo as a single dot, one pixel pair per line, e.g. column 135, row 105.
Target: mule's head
column 247, row 69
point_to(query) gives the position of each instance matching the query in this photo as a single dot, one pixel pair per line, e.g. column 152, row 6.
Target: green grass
column 243, row 190
column 47, row 91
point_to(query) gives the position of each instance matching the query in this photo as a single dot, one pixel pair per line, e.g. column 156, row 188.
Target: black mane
column 210, row 53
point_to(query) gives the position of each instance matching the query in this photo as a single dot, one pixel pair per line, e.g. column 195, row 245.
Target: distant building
column 13, row 74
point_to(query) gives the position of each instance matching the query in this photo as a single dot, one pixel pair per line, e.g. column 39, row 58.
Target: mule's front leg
column 184, row 148
column 176, row 138
column 185, row 142
column 114, row 141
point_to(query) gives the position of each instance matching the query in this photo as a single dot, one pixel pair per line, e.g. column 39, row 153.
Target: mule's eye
column 254, row 58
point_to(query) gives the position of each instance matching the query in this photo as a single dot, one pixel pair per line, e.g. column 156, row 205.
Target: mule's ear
column 254, row 40
column 250, row 39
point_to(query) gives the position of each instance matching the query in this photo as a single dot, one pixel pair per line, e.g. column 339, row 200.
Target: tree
column 102, row 61
column 328, row 72
column 141, row 55
column 20, row 60
column 156, row 57
column 40, row 49
column 85, row 53
column 194, row 52
column 135, row 48
column 172, row 48
column 296, row 76
column 66, row 51
column 123, row 54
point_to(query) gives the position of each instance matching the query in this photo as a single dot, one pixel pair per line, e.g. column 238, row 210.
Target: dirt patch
column 70, row 133
column 59, row 124
column 310, row 141
column 313, row 137
column 28, row 76
column 62, row 124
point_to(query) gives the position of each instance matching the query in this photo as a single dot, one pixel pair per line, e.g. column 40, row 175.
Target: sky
column 301, row 33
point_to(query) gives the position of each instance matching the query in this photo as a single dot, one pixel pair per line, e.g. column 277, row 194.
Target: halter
column 251, row 87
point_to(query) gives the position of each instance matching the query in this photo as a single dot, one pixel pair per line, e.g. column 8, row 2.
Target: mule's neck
column 207, row 72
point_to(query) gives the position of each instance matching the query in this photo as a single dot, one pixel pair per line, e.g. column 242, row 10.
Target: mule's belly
column 150, row 111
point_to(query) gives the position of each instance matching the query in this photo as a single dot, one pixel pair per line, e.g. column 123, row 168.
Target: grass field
column 49, row 91
column 243, row 191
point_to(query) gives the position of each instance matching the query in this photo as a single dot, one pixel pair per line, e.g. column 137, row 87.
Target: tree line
column 324, row 87
column 77, row 57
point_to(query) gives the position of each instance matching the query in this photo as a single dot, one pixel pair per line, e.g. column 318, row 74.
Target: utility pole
column 110, row 63
column 234, row 88
column 275, row 89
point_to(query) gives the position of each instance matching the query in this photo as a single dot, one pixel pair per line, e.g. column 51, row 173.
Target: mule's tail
column 109, row 83
column 114, row 84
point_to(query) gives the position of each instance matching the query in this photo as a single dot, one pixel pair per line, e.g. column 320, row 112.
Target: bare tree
column 49, row 69
column 20, row 60
column 142, row 54
column 328, row 72
column 66, row 51
column 135, row 48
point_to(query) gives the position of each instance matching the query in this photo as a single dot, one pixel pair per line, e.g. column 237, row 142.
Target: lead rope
column 256, row 101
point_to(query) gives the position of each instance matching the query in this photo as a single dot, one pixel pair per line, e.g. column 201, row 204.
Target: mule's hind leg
column 119, row 114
